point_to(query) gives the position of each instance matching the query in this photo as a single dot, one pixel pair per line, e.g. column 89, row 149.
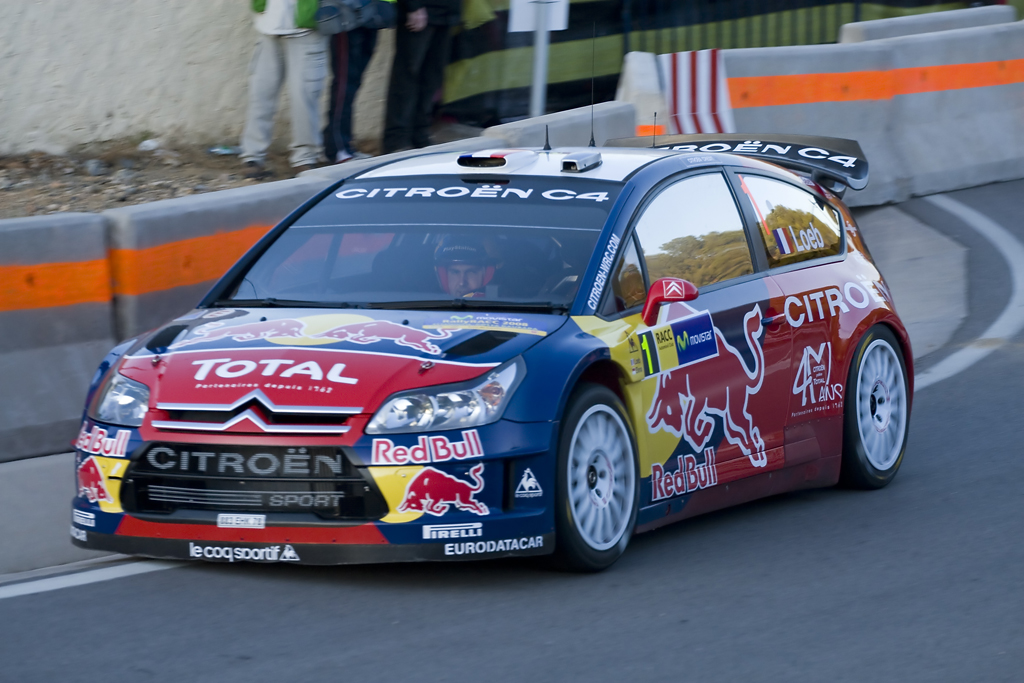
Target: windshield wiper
column 475, row 304
column 272, row 302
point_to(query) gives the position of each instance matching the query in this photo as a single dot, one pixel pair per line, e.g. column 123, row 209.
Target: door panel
column 707, row 364
column 712, row 415
column 799, row 228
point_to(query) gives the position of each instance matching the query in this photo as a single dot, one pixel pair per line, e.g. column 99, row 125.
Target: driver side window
column 693, row 230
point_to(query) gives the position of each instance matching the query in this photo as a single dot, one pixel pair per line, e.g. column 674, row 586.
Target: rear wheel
column 597, row 481
column 877, row 411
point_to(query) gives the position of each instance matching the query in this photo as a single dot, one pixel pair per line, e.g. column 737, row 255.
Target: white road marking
column 82, row 578
column 1009, row 322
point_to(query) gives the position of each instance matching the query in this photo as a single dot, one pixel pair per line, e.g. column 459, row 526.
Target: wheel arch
column 597, row 369
column 894, row 325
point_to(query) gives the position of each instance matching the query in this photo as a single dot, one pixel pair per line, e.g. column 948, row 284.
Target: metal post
column 539, row 89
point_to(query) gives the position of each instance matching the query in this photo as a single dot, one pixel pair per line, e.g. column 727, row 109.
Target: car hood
column 290, row 361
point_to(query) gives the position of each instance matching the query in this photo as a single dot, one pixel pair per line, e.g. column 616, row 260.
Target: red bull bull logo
column 435, row 492
column 688, row 399
column 91, row 482
column 373, row 331
column 363, row 332
column 245, row 332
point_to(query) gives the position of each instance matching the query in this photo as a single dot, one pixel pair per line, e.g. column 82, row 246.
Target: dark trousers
column 350, row 54
column 416, row 76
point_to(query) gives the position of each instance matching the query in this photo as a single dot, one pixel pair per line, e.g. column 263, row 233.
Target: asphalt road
column 921, row 581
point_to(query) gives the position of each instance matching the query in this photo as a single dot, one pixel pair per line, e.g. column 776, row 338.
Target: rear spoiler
column 829, row 159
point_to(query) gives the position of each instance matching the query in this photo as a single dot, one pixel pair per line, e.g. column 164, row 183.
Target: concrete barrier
column 822, row 90
column 958, row 106
column 164, row 256
column 859, row 31
column 55, row 327
column 569, row 128
column 933, row 112
column 640, row 85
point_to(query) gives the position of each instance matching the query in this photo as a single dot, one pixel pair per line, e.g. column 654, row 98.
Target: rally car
column 505, row 353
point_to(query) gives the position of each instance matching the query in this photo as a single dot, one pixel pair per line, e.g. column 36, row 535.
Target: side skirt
column 818, row 474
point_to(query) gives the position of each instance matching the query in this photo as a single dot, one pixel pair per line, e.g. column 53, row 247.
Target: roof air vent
column 579, row 162
column 500, row 159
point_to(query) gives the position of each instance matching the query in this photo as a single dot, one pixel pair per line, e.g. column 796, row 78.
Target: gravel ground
column 107, row 175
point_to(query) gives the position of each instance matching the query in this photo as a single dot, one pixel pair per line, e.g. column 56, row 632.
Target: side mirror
column 664, row 291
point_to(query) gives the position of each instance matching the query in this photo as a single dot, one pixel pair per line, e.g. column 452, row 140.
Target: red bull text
column 427, row 450
column 688, row 477
column 98, row 443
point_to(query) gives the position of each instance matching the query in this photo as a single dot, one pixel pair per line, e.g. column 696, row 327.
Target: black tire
column 872, row 458
column 581, row 541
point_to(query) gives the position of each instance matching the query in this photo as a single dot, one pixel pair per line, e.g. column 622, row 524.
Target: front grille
column 213, row 417
column 168, row 478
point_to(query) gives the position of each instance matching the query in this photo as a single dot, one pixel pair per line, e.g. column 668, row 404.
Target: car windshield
column 435, row 242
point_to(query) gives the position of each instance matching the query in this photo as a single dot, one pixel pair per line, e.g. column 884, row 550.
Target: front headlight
column 122, row 401
column 451, row 406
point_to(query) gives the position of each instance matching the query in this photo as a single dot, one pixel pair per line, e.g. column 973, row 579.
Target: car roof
column 617, row 164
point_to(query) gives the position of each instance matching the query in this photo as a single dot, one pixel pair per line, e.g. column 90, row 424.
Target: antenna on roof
column 654, row 130
column 547, row 142
column 593, row 71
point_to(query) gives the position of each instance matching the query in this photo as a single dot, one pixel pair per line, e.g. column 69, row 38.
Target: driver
column 463, row 266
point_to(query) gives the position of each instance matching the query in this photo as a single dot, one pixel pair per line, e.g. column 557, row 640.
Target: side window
column 627, row 283
column 796, row 225
column 693, row 230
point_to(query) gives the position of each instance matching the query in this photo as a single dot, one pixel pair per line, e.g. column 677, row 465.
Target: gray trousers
column 302, row 61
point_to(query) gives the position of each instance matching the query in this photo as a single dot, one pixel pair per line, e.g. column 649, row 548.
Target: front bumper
column 474, row 507
column 314, row 553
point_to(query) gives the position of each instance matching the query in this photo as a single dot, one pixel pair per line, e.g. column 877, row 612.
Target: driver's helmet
column 461, row 250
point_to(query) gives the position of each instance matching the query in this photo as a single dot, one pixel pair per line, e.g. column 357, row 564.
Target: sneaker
column 342, row 156
column 255, row 170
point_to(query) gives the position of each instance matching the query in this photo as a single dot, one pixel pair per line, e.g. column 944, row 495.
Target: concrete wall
column 933, row 112
column 85, row 70
column 55, row 327
column 859, row 31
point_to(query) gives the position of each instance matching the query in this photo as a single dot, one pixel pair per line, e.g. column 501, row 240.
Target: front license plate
column 242, row 521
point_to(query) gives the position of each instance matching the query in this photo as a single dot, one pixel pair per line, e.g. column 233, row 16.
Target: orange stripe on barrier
column 772, row 91
column 958, row 76
column 775, row 91
column 47, row 285
column 177, row 264
column 647, row 131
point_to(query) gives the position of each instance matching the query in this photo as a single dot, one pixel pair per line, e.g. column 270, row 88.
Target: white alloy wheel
column 881, row 405
column 600, row 477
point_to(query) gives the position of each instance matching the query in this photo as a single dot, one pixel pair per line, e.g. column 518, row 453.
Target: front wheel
column 597, row 479
column 877, row 411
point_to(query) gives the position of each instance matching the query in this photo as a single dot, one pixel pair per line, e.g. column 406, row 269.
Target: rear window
column 796, row 225
column 432, row 239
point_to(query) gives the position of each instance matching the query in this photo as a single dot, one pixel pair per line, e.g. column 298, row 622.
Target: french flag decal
column 782, row 240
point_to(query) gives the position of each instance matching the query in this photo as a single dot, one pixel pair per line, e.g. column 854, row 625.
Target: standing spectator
column 351, row 52
column 289, row 49
column 422, row 41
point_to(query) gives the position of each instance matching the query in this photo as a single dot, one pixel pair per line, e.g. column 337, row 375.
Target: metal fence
column 673, row 25
column 488, row 79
